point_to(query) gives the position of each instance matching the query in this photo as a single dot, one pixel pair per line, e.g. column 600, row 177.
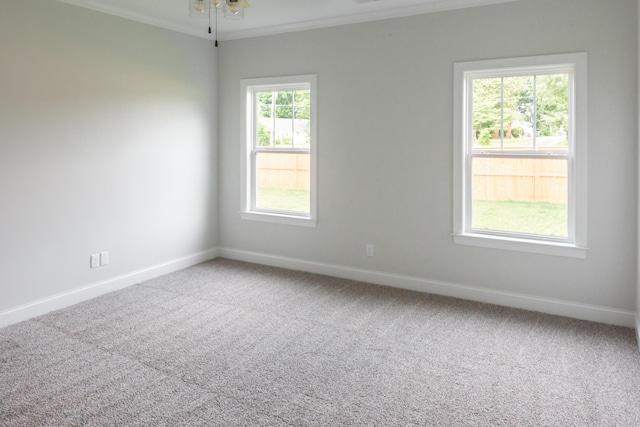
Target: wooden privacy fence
column 530, row 180
column 533, row 180
column 290, row 171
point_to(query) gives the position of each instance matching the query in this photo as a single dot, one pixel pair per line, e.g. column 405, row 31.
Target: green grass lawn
column 546, row 219
column 283, row 200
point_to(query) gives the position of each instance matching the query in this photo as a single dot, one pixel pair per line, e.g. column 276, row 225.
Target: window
column 520, row 154
column 279, row 150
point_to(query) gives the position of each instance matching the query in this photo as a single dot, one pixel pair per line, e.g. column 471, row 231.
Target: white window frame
column 575, row 245
column 250, row 149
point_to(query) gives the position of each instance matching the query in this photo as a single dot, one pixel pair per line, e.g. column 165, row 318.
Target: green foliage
column 264, row 136
column 517, row 132
column 486, row 103
column 553, row 103
column 541, row 100
column 485, row 137
column 286, row 104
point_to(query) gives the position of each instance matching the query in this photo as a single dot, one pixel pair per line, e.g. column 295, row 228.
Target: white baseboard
column 638, row 328
column 65, row 299
column 612, row 316
column 593, row 313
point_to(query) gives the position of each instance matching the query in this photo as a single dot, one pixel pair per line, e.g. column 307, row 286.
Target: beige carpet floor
column 226, row 343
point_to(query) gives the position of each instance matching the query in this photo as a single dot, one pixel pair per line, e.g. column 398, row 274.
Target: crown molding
column 115, row 11
column 431, row 7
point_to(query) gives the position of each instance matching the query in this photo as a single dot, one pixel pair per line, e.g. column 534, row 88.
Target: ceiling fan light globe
column 219, row 4
column 199, row 6
column 235, row 9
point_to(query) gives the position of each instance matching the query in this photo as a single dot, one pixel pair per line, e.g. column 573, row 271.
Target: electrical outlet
column 95, row 260
column 104, row 258
column 369, row 250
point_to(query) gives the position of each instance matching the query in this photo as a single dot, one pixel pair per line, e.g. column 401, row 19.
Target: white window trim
column 247, row 211
column 576, row 245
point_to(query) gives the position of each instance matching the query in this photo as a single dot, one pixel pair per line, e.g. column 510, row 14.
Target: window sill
column 521, row 245
column 279, row 218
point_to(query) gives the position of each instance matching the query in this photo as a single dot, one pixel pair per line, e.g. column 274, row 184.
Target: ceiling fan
column 232, row 9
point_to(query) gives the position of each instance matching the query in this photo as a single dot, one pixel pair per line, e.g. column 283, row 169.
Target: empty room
column 319, row 213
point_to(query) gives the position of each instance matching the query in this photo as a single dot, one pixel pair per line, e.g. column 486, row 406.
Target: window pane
column 302, row 119
column 302, row 100
column 264, row 111
column 552, row 112
column 487, row 106
column 518, row 112
column 283, row 136
column 265, row 133
column 520, row 196
column 284, row 98
column 284, row 119
column 283, row 181
column 521, row 113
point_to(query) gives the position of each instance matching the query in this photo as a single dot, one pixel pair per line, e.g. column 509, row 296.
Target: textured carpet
column 229, row 343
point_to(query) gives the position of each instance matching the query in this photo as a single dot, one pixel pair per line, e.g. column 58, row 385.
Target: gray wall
column 107, row 143
column 385, row 144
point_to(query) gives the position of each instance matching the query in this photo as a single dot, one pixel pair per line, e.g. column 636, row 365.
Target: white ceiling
column 265, row 17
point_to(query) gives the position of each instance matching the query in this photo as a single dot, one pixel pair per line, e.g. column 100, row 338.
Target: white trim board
column 65, row 299
column 612, row 316
column 429, row 7
column 509, row 299
column 638, row 329
column 187, row 26
column 98, row 6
